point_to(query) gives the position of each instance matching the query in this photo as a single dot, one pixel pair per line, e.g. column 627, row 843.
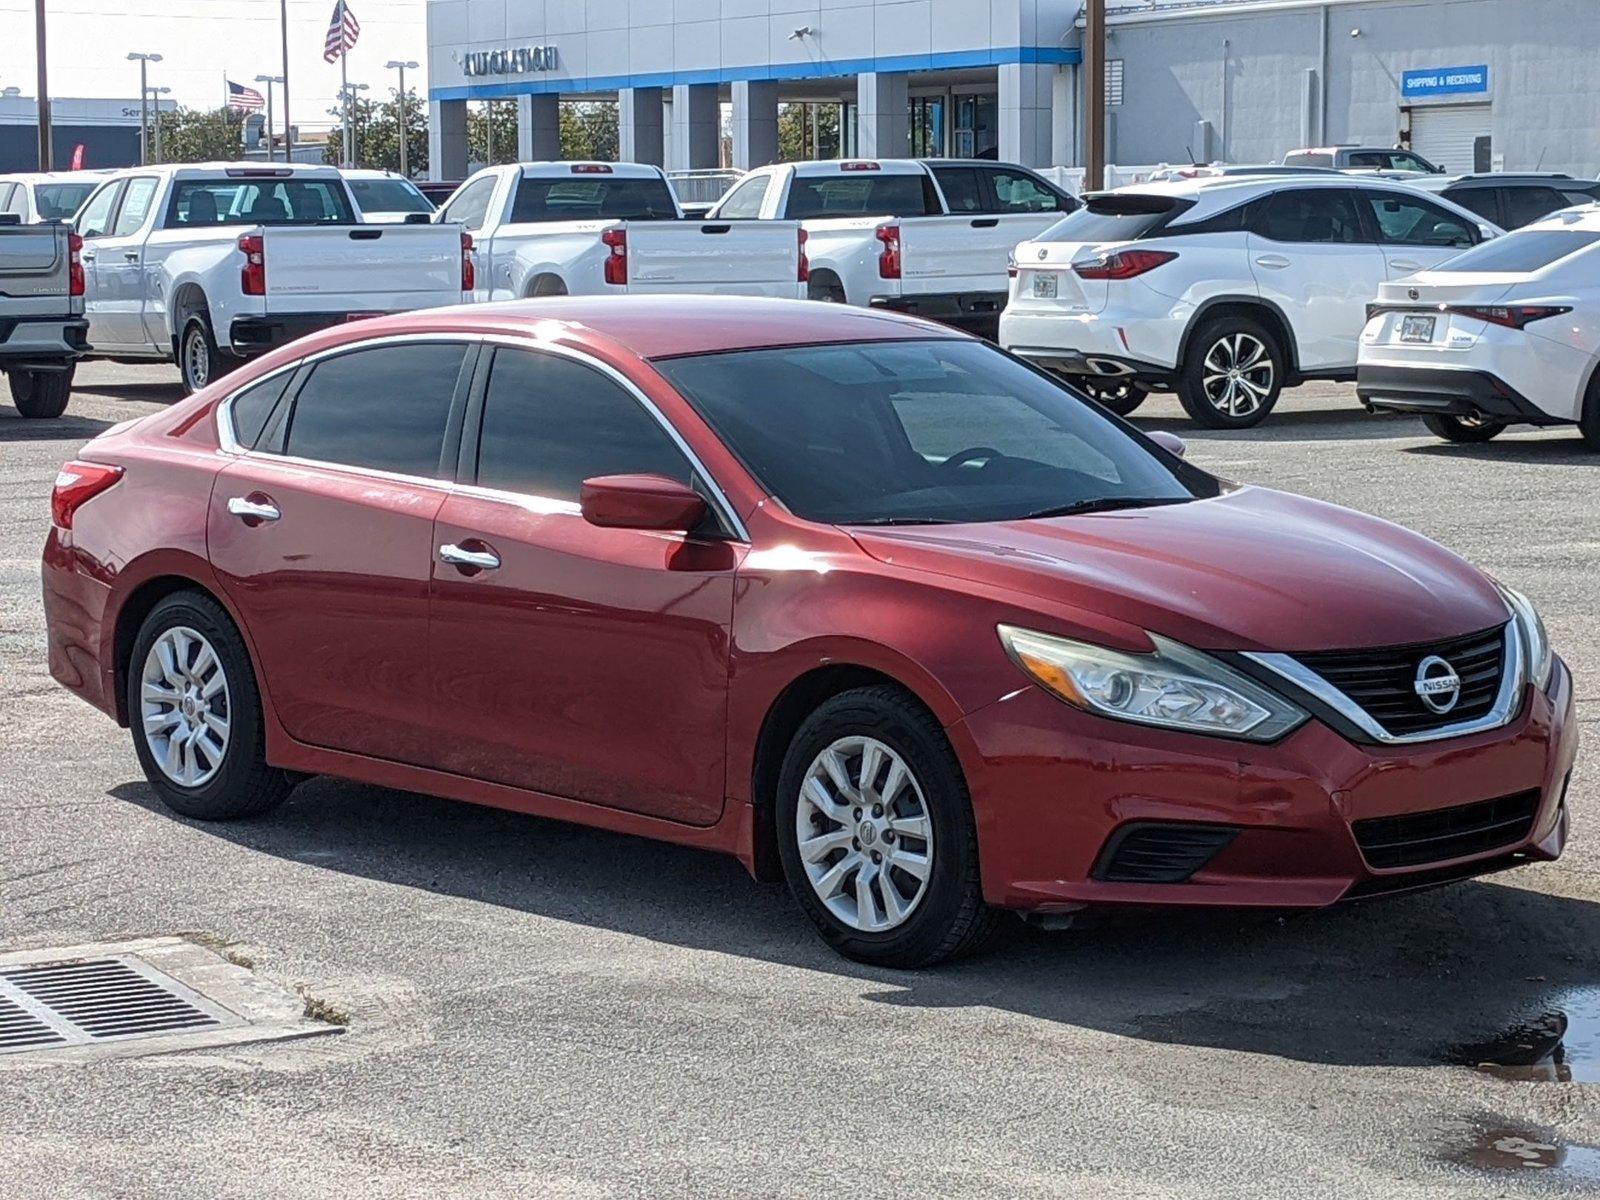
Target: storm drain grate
column 95, row 1000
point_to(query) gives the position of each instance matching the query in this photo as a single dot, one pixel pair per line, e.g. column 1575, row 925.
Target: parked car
column 1225, row 290
column 1512, row 200
column 385, row 198
column 213, row 263
column 42, row 330
column 437, row 191
column 593, row 228
column 46, row 195
column 865, row 602
column 1362, row 158
column 926, row 237
column 1506, row 334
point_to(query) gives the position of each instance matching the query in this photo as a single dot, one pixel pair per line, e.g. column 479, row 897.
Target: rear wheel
column 200, row 361
column 195, row 713
column 1463, row 429
column 826, row 287
column 1232, row 375
column 41, row 393
column 1121, row 396
column 1589, row 422
column 876, row 832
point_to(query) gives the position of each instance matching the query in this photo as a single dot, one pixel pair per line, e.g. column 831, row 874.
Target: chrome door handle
column 86, row 256
column 253, row 510
column 460, row 556
column 1403, row 265
column 1272, row 261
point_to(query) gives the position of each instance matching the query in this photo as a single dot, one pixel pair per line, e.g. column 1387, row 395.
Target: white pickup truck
column 209, row 264
column 597, row 229
column 932, row 237
column 41, row 313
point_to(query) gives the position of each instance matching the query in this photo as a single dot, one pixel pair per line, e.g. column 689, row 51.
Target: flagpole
column 288, row 130
column 344, row 92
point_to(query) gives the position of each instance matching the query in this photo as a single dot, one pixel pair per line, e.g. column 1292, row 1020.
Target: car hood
column 1251, row 569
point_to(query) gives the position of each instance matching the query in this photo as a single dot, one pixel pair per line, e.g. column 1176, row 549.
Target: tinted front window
column 1312, row 216
column 385, row 408
column 743, row 203
column 550, row 423
column 1123, row 217
column 915, row 432
column 13, row 199
column 95, row 219
column 254, row 405
column 135, row 206
column 388, row 196
column 963, row 191
column 860, row 194
column 1019, row 192
column 1406, row 222
column 1525, row 250
column 59, row 201
column 593, row 198
column 470, row 205
column 229, row 201
column 1480, row 200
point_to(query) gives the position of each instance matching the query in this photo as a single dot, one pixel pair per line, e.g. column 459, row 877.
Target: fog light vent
column 1160, row 852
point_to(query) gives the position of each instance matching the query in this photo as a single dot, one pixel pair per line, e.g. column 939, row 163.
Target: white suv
column 1226, row 290
column 1505, row 334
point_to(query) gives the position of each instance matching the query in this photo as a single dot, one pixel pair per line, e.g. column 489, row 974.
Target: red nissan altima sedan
column 863, row 601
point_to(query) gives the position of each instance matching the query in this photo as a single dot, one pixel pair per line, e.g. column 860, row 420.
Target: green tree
column 199, row 135
column 377, row 130
column 807, row 131
column 589, row 130
column 496, row 117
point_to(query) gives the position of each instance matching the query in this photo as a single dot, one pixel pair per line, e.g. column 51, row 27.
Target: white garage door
column 1448, row 135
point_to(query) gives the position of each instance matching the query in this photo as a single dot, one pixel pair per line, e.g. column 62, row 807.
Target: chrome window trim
column 229, row 442
column 1513, row 678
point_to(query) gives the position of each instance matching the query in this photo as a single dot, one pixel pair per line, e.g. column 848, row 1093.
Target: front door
column 1415, row 234
column 582, row 662
column 119, row 266
column 323, row 537
column 93, row 224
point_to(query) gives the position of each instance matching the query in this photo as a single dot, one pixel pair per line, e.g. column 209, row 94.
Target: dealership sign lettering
column 520, row 61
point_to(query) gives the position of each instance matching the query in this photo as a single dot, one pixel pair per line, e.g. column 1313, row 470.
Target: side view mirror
column 1170, row 442
column 641, row 502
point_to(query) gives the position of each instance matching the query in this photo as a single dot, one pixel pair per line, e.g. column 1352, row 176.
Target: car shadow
column 16, row 428
column 1392, row 983
column 1550, row 450
column 152, row 393
column 1320, row 425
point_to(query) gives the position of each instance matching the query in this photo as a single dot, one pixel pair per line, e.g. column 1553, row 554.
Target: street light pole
column 1094, row 63
column 288, row 154
column 349, row 91
column 144, row 101
column 44, row 86
column 400, row 105
column 283, row 33
column 158, row 92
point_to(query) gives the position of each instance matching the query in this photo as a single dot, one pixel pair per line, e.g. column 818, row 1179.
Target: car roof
column 370, row 173
column 254, row 170
column 1584, row 217
column 586, row 168
column 887, row 166
column 90, row 178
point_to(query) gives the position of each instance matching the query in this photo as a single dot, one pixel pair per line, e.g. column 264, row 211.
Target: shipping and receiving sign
column 1445, row 81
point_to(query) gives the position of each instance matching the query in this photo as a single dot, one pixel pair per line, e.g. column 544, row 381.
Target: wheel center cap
column 866, row 833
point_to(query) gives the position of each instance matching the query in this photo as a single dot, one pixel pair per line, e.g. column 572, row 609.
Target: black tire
column 200, row 361
column 41, row 394
column 826, row 288
column 1121, row 396
column 243, row 785
column 1463, row 429
column 1589, row 422
column 1213, row 343
column 950, row 918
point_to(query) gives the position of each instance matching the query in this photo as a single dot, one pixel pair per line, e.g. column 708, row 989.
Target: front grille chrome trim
column 1513, row 678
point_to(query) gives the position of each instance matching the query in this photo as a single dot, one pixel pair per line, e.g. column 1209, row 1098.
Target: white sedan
column 1507, row 333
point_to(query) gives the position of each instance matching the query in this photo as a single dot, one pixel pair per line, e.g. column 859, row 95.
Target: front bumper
column 1446, row 391
column 1052, row 788
column 966, row 310
column 42, row 343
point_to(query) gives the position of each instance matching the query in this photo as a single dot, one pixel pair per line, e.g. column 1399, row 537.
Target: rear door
column 322, row 535
column 1414, row 233
column 1313, row 261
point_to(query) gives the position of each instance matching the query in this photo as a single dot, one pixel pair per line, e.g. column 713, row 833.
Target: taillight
column 590, row 169
column 75, row 285
column 805, row 263
column 76, row 484
column 1513, row 316
column 1123, row 264
column 253, row 279
column 1011, row 265
column 617, row 260
column 889, row 257
column 469, row 269
column 859, row 166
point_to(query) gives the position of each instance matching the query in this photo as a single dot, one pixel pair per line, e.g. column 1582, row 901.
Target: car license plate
column 1044, row 285
column 1417, row 329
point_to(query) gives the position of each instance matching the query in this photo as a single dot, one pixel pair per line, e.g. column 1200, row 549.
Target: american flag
column 343, row 31
column 244, row 99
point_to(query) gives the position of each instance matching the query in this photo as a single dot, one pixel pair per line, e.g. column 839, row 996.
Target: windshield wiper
column 1105, row 504
column 903, row 521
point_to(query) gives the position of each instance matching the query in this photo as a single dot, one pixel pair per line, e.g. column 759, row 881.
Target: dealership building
column 1471, row 84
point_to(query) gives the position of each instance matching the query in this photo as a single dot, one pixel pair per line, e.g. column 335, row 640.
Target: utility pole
column 400, row 106
column 144, row 60
column 43, row 88
column 283, row 33
column 1094, row 65
column 158, row 92
column 269, row 80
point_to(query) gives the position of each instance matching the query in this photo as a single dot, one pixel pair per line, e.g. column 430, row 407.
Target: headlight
column 1174, row 688
column 1535, row 641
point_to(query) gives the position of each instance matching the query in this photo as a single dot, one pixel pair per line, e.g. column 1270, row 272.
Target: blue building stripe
column 832, row 68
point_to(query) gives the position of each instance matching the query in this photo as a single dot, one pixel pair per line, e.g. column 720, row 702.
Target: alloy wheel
column 196, row 358
column 1238, row 374
column 864, row 834
column 185, row 707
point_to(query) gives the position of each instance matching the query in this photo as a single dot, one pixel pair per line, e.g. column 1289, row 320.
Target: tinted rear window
column 861, row 194
column 593, row 198
column 1308, row 160
column 228, row 201
column 388, row 196
column 1117, row 218
column 1525, row 250
column 60, row 201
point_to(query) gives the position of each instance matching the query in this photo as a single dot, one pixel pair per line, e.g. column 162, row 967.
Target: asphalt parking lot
column 540, row 1010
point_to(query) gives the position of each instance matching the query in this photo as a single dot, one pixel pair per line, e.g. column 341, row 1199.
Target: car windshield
column 388, row 196
column 905, row 433
column 60, row 201
column 1522, row 251
column 236, row 201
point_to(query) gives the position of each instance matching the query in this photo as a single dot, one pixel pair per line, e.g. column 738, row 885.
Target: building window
column 1113, row 81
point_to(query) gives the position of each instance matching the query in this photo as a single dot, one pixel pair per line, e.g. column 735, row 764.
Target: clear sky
column 201, row 40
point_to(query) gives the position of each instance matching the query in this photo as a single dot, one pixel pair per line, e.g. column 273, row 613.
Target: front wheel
column 1121, row 396
column 876, row 832
column 1232, row 374
column 41, row 394
column 200, row 361
column 1463, row 429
